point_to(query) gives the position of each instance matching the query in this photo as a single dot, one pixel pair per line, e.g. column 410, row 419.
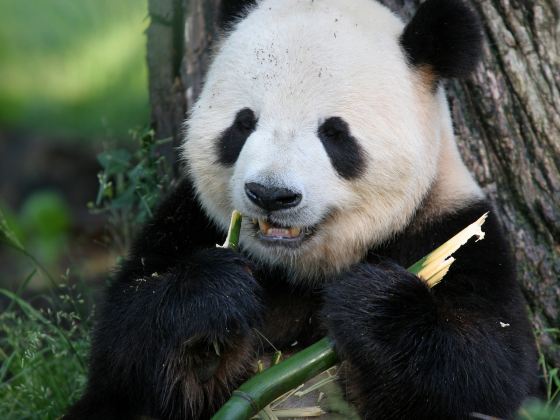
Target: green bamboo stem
column 272, row 383
column 262, row 389
column 234, row 231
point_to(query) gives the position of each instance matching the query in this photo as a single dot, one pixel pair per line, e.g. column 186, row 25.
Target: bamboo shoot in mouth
column 234, row 231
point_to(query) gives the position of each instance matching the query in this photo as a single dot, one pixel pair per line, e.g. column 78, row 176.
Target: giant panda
column 326, row 124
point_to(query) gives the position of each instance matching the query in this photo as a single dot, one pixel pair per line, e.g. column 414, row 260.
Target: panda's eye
column 232, row 140
column 343, row 149
column 333, row 128
column 246, row 119
column 331, row 133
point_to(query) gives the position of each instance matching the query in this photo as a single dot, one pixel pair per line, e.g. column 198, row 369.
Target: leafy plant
column 130, row 186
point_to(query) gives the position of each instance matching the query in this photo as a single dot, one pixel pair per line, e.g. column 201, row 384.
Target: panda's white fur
column 296, row 63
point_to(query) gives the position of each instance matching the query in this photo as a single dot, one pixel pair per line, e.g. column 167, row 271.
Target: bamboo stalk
column 265, row 387
column 434, row 266
column 262, row 389
column 232, row 239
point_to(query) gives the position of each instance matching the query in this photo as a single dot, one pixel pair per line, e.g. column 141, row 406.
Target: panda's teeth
column 278, row 233
column 295, row 232
column 264, row 226
column 267, row 229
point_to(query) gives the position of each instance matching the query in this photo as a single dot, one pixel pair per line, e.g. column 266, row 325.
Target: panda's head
column 323, row 123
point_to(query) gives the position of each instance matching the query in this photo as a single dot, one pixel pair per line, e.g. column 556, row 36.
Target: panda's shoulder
column 424, row 235
column 177, row 227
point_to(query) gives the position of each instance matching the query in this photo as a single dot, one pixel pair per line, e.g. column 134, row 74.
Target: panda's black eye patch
column 346, row 155
column 246, row 120
column 233, row 139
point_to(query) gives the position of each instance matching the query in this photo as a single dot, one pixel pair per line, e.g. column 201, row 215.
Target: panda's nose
column 272, row 198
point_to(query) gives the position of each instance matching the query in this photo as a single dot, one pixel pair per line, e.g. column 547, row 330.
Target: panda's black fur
column 444, row 35
column 475, row 317
column 233, row 10
column 232, row 140
column 182, row 322
column 345, row 153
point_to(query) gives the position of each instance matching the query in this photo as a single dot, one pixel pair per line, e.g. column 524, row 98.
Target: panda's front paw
column 213, row 306
column 221, row 296
column 370, row 308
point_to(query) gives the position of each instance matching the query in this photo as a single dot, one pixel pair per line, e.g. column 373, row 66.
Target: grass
column 42, row 351
column 42, row 354
column 73, row 68
column 550, row 408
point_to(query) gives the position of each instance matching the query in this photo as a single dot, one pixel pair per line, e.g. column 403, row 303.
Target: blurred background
column 73, row 83
column 79, row 172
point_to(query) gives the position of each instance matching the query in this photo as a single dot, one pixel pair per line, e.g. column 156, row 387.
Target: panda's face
column 312, row 124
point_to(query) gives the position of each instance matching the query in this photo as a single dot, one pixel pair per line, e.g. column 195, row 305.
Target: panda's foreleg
column 414, row 352
column 174, row 345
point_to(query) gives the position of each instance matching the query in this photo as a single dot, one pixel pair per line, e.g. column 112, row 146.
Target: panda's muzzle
column 274, row 200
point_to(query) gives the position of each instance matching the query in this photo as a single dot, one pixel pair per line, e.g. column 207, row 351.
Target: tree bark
column 507, row 118
column 180, row 36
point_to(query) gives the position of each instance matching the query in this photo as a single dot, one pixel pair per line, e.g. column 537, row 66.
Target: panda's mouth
column 273, row 233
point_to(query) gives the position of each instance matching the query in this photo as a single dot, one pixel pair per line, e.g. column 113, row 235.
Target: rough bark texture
column 179, row 39
column 507, row 119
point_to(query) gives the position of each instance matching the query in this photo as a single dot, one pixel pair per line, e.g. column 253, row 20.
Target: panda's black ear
column 232, row 10
column 446, row 37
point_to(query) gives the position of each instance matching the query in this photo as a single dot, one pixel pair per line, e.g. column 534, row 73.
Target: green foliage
column 73, row 68
column 43, row 225
column 537, row 410
column 549, row 409
column 130, row 186
column 45, row 220
column 42, row 357
column 550, row 373
column 45, row 213
column 7, row 234
column 42, row 352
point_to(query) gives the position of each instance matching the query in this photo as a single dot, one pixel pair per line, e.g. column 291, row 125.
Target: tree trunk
column 507, row 119
column 179, row 40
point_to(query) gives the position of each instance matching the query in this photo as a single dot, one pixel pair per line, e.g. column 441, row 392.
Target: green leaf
column 115, row 161
column 46, row 214
column 7, row 234
column 125, row 199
